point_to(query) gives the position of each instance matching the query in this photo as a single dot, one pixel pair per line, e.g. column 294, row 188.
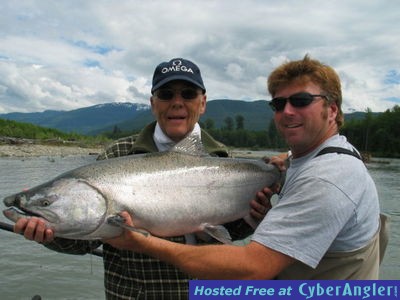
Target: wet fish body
column 168, row 194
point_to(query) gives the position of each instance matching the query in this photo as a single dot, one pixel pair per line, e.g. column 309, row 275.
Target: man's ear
column 203, row 104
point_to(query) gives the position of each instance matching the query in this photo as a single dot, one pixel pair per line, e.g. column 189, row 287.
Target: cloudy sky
column 68, row 54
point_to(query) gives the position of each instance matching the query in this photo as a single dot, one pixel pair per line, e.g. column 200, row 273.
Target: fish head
column 71, row 207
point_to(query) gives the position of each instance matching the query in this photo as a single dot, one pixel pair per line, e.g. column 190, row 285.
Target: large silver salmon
column 168, row 194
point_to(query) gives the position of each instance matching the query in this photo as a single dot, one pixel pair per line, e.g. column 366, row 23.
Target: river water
column 28, row 269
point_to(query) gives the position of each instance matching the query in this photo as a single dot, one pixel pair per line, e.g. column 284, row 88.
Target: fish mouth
column 16, row 210
column 22, row 212
column 9, row 201
column 16, row 205
column 13, row 214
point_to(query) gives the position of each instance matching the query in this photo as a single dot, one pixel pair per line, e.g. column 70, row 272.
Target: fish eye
column 46, row 202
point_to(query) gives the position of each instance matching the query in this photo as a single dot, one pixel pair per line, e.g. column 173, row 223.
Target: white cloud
column 69, row 54
column 234, row 71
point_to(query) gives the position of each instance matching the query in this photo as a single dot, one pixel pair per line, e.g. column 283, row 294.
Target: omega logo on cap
column 177, row 63
column 177, row 67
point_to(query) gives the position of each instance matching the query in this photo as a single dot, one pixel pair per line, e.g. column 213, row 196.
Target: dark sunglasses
column 297, row 100
column 168, row 94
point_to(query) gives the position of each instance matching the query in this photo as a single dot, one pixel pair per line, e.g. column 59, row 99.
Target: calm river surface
column 28, row 269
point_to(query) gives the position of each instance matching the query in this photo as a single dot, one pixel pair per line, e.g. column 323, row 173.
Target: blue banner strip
column 294, row 289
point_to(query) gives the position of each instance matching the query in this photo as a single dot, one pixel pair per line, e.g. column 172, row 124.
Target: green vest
column 144, row 143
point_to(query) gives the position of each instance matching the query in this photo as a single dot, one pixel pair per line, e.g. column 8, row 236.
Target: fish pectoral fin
column 218, row 232
column 120, row 222
column 252, row 222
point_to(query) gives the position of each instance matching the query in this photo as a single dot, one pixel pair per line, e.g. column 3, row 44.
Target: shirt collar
column 164, row 142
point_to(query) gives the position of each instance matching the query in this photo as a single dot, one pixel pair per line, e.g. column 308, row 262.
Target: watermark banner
column 294, row 289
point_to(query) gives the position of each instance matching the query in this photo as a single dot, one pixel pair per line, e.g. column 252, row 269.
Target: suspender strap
column 338, row 150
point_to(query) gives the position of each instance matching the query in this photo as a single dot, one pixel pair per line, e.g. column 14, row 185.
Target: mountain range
column 128, row 116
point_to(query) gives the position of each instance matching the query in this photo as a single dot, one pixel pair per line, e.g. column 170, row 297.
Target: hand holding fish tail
column 34, row 229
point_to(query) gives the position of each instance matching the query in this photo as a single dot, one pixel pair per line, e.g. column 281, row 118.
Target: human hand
column 261, row 204
column 128, row 240
column 34, row 229
column 279, row 161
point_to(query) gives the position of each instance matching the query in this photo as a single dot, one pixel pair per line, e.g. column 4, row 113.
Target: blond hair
column 306, row 70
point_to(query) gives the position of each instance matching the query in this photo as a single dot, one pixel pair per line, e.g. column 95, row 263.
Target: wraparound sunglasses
column 297, row 100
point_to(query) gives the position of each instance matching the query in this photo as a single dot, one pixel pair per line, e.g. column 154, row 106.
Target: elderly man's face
column 177, row 107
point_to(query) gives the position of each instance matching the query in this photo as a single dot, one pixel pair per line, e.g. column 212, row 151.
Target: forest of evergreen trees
column 21, row 130
column 377, row 134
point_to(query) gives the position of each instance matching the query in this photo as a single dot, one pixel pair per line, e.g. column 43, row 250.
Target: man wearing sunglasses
column 177, row 102
column 326, row 222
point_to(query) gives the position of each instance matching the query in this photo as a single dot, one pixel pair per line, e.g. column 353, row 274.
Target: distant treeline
column 234, row 134
column 377, row 134
column 20, row 130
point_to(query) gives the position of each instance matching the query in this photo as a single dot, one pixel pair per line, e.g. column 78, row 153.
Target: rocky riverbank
column 12, row 147
column 26, row 150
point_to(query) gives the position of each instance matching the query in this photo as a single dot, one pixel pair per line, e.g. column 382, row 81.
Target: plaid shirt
column 129, row 275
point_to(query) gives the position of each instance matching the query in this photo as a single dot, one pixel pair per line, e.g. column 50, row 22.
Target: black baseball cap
column 177, row 69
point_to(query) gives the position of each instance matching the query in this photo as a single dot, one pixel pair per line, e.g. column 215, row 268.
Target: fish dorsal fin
column 191, row 144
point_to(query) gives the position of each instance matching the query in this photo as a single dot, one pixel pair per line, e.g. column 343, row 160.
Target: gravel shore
column 26, row 150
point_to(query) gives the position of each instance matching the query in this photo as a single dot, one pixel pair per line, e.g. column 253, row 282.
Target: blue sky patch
column 393, row 99
column 99, row 49
column 392, row 77
column 91, row 63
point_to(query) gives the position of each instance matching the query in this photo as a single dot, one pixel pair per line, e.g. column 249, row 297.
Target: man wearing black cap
column 178, row 100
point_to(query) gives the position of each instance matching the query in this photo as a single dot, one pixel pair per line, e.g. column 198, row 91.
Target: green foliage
column 208, row 124
column 242, row 138
column 21, row 130
column 228, row 124
column 239, row 122
column 376, row 134
column 27, row 130
column 114, row 135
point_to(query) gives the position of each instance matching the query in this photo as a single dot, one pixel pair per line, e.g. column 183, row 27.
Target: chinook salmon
column 168, row 194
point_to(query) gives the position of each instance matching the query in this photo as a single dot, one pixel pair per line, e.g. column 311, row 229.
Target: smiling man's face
column 305, row 128
column 177, row 116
